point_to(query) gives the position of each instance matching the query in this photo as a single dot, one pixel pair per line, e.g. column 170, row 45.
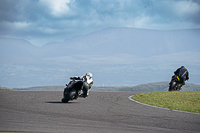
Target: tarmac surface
column 101, row 112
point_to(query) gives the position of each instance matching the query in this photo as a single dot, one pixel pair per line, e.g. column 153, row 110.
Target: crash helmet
column 89, row 75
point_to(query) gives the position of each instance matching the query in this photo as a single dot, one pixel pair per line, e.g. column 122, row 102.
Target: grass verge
column 188, row 101
column 1, row 89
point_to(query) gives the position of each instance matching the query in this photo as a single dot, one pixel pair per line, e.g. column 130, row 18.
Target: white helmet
column 89, row 74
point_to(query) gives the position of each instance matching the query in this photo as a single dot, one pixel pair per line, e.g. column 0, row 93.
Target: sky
column 43, row 21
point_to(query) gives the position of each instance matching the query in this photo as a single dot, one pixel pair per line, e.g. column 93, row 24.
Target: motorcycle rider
column 183, row 75
column 87, row 83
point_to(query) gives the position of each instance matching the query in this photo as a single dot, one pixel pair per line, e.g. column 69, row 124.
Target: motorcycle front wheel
column 69, row 96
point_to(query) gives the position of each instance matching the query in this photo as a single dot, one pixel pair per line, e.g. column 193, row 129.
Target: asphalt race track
column 101, row 112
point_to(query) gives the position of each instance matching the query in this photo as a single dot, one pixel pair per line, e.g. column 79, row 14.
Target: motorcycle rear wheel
column 172, row 86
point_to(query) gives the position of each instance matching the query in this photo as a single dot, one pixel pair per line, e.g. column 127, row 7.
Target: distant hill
column 118, row 41
column 150, row 87
column 17, row 47
column 159, row 87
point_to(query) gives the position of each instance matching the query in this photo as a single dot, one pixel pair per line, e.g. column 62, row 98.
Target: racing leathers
column 183, row 75
column 87, row 84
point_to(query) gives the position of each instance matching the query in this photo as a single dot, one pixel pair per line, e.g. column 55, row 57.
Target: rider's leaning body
column 183, row 75
column 87, row 83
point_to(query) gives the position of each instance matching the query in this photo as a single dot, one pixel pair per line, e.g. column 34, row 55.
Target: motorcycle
column 174, row 84
column 72, row 91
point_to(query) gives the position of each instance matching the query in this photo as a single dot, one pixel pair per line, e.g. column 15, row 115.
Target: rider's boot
column 83, row 96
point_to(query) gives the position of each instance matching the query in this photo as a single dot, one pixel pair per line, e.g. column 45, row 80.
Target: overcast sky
column 43, row 21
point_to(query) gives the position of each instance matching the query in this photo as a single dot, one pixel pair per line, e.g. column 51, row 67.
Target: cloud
column 57, row 8
column 187, row 8
column 52, row 20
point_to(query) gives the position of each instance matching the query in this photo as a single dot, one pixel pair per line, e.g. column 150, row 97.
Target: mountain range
column 115, row 56
column 150, row 87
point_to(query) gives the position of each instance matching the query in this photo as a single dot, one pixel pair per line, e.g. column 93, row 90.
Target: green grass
column 188, row 101
column 2, row 89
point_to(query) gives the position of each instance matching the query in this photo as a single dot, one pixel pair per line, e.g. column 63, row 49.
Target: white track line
column 130, row 98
